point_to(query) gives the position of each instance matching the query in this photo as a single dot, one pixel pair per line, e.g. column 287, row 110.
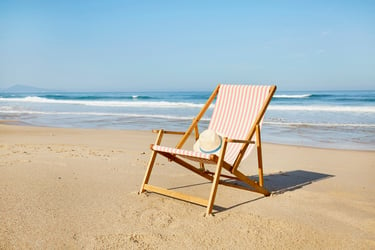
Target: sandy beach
column 78, row 189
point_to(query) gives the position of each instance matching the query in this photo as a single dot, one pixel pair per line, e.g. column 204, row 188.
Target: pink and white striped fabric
column 205, row 158
column 236, row 110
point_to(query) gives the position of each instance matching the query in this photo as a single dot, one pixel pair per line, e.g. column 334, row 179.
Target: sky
column 187, row 45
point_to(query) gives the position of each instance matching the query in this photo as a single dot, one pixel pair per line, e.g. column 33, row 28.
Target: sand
column 78, row 189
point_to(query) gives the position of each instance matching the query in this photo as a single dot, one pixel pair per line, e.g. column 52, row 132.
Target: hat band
column 212, row 151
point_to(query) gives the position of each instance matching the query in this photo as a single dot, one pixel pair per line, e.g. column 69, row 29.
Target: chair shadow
column 277, row 183
column 288, row 181
column 282, row 182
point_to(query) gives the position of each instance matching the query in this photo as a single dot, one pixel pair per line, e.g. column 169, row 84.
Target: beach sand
column 78, row 189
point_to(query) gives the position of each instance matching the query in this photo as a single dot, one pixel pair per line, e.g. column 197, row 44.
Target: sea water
column 330, row 119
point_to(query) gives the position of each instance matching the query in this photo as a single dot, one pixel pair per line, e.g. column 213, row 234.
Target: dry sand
column 77, row 189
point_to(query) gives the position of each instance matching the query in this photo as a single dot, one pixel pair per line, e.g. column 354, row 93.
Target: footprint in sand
column 155, row 217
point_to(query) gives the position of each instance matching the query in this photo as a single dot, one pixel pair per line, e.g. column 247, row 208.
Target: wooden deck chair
column 237, row 117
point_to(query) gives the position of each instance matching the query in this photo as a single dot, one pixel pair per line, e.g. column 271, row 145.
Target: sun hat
column 209, row 142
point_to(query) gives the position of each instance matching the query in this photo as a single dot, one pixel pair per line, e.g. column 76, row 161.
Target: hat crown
column 209, row 142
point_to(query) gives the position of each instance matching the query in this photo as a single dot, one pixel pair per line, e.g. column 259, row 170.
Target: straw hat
column 209, row 142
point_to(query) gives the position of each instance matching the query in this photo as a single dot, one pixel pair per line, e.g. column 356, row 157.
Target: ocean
column 328, row 119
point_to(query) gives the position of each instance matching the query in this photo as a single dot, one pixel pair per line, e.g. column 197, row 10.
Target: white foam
column 332, row 125
column 161, row 104
column 170, row 117
column 293, row 96
column 356, row 109
column 167, row 117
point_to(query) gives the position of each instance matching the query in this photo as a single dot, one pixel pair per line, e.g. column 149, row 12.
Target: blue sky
column 187, row 45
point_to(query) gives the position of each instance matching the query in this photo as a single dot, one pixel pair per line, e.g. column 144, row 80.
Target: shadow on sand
column 282, row 182
column 288, row 181
column 277, row 183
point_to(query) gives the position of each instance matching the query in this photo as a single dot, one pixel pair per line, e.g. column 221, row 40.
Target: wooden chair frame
column 215, row 177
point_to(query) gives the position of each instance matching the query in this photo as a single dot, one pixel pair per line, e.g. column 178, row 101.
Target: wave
column 328, row 125
column 353, row 109
column 153, row 104
column 94, row 97
column 331, row 98
column 142, row 97
column 182, row 118
column 134, row 102
column 128, row 115
column 303, row 96
column 293, row 96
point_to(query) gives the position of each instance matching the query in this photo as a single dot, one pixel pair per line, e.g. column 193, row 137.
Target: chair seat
column 192, row 155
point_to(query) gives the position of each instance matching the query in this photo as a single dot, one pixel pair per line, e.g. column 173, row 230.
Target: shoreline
column 77, row 188
column 318, row 119
column 19, row 123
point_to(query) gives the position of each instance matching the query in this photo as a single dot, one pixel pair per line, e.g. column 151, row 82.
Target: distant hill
column 24, row 88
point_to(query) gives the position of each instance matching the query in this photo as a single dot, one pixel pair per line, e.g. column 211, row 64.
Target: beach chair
column 237, row 117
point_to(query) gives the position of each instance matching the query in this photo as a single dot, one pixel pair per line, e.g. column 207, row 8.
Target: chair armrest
column 240, row 141
column 169, row 132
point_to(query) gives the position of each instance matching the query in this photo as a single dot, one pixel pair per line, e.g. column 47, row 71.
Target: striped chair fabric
column 236, row 110
column 205, row 158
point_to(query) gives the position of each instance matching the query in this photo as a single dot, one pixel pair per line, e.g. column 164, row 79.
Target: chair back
column 236, row 113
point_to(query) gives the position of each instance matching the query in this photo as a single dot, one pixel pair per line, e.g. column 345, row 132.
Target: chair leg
column 151, row 162
column 214, row 187
column 216, row 179
column 148, row 171
column 260, row 160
